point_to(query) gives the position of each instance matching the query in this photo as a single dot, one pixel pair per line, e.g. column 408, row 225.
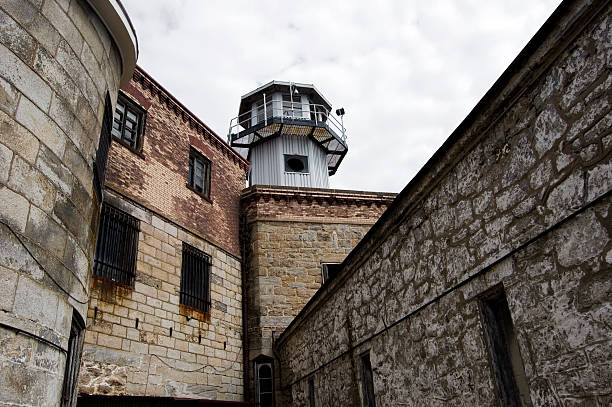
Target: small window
column 367, row 381
column 311, row 393
column 128, row 123
column 296, row 163
column 507, row 364
column 117, row 246
column 73, row 357
column 195, row 279
column 329, row 270
column 264, row 384
column 103, row 147
column 199, row 173
column 292, row 106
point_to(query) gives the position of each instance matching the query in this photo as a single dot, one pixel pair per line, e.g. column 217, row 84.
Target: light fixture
column 340, row 112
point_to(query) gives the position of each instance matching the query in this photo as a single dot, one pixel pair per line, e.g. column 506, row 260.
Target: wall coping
column 278, row 193
column 118, row 23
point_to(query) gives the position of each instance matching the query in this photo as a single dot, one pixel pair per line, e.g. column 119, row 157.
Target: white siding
column 268, row 163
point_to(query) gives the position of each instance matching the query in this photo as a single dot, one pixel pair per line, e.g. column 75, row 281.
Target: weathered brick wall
column 57, row 63
column 519, row 196
column 289, row 233
column 157, row 178
column 201, row 358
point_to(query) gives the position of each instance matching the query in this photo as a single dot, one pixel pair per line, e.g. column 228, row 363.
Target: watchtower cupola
column 291, row 136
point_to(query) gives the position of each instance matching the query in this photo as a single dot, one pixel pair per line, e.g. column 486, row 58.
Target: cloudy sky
column 406, row 72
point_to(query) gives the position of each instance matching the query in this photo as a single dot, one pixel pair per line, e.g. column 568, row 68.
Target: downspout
column 245, row 340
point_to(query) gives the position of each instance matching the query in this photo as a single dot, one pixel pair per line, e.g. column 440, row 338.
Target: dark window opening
column 117, row 246
column 507, row 364
column 73, row 358
column 264, row 384
column 199, row 173
column 311, row 393
column 103, row 147
column 330, row 270
column 128, row 123
column 367, row 383
column 195, row 279
column 296, row 163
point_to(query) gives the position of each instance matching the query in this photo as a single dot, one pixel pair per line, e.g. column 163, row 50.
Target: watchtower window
column 117, row 246
column 128, row 123
column 195, row 278
column 292, row 106
column 296, row 163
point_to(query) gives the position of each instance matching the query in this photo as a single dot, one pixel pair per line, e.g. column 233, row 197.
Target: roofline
column 284, row 83
column 195, row 118
column 118, row 23
column 520, row 71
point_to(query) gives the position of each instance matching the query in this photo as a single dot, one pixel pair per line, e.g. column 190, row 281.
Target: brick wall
column 157, row 176
column 57, row 63
column 201, row 358
column 518, row 198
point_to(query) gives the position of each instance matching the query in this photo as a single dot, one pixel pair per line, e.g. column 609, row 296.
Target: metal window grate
column 73, row 357
column 103, row 147
column 195, row 278
column 117, row 246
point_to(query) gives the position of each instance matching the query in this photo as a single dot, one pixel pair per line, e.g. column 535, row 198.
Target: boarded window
column 507, row 364
column 195, row 279
column 367, row 383
column 73, row 357
column 117, row 246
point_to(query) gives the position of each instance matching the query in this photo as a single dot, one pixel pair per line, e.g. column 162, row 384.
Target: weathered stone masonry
column 519, row 196
column 58, row 63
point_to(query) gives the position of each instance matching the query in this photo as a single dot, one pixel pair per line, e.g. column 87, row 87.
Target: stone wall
column 129, row 348
column 289, row 233
column 57, row 64
column 518, row 198
column 156, row 177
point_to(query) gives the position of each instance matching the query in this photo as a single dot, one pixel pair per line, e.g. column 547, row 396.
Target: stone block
column 14, row 209
column 9, row 96
column 54, row 169
column 41, row 126
column 34, row 302
column 23, row 78
column 8, row 285
column 60, row 20
column 18, row 138
column 16, row 38
column 46, row 232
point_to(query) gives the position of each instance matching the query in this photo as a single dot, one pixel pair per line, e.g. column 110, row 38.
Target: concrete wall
column 57, row 63
column 519, row 196
column 201, row 358
column 288, row 233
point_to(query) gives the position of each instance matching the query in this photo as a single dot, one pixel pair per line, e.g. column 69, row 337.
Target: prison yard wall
column 155, row 173
column 289, row 232
column 59, row 62
column 515, row 205
column 141, row 341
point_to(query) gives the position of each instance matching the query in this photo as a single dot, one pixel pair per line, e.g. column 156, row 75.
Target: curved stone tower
column 61, row 64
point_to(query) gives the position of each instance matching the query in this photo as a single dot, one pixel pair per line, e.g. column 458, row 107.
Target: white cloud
column 407, row 72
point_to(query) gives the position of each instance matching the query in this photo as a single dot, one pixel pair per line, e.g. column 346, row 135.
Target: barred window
column 103, row 146
column 264, row 380
column 128, row 123
column 73, row 357
column 117, row 246
column 199, row 173
column 195, row 278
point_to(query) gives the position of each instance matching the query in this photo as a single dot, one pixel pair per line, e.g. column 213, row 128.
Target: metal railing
column 284, row 110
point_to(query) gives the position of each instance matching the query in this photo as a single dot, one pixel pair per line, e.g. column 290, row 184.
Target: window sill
column 206, row 198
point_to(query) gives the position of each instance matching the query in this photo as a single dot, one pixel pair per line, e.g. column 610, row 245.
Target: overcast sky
column 406, row 72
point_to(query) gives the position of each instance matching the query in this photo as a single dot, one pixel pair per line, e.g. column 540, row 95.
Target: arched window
column 264, row 379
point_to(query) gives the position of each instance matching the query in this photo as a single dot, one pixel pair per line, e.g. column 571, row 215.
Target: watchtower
column 291, row 136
